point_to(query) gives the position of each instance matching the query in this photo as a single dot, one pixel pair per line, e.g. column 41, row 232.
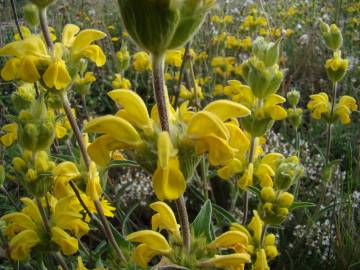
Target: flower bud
column 23, row 97
column 18, row 164
column 293, row 97
column 41, row 162
column 267, row 52
column 332, row 36
column 268, row 194
column 36, row 128
column 287, row 173
column 295, row 117
column 285, row 199
column 256, row 127
column 31, row 175
column 271, row 251
column 31, row 14
column 263, row 80
column 336, row 67
column 283, row 212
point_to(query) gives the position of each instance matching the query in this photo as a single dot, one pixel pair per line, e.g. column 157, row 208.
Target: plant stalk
column 246, row 195
column 75, row 128
column 161, row 96
column 107, row 230
column 329, row 128
column 45, row 28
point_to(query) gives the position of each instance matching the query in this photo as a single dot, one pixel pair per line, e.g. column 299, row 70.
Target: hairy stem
column 74, row 126
column 45, row 27
column 161, row 97
column 246, row 195
column 107, row 230
column 329, row 130
column 182, row 71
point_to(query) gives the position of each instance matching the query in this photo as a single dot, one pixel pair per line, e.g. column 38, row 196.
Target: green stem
column 246, row 194
column 74, row 126
column 329, row 128
column 182, row 71
column 107, row 230
column 45, row 27
column 161, row 102
column 263, row 234
column 204, row 173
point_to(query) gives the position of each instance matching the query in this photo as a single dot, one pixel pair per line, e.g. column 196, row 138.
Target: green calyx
column 159, row 25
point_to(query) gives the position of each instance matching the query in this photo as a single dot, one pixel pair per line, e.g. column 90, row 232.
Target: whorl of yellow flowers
column 191, row 133
column 32, row 61
column 25, row 229
column 320, row 106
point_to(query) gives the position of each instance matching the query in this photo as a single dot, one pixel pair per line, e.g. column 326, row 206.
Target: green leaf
column 127, row 217
column 255, row 191
column 224, row 213
column 202, row 223
column 119, row 238
column 297, row 205
column 120, row 164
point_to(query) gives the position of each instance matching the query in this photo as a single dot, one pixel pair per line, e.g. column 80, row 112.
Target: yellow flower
column 25, row 32
column 141, row 61
column 120, row 82
column 271, row 109
column 174, row 58
column 265, row 170
column 87, row 79
column 228, row 19
column 168, row 181
column 93, row 187
column 208, row 132
column 64, row 173
column 343, row 109
column 10, row 136
column 235, row 240
column 26, row 230
column 165, row 219
column 80, row 43
column 27, row 55
column 235, row 261
column 56, row 74
column 261, row 262
column 216, row 19
column 319, row 105
column 246, row 179
column 152, row 244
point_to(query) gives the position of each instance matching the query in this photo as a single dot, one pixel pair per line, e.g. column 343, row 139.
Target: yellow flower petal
column 225, row 109
column 134, row 106
column 153, row 240
column 85, row 38
column 68, row 34
column 100, row 149
column 117, row 128
column 230, row 239
column 204, row 124
column 169, row 183
column 21, row 244
column 164, row 219
column 142, row 254
column 57, row 75
column 11, row 69
column 67, row 243
column 229, row 261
